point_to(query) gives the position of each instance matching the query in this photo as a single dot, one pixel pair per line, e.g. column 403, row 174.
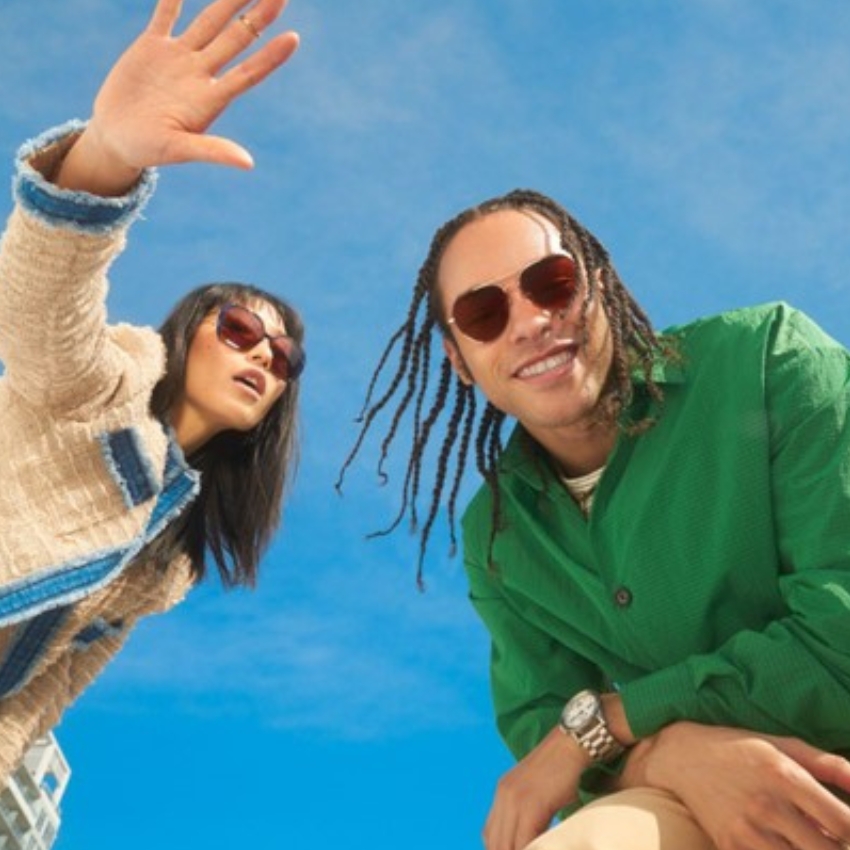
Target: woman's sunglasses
column 242, row 329
column 483, row 313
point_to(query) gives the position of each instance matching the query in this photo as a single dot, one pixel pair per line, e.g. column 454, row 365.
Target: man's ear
column 456, row 359
column 600, row 280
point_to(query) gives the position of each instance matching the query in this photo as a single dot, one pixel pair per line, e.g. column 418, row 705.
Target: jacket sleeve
column 792, row 677
column 531, row 674
column 78, row 659
column 54, row 257
column 36, row 709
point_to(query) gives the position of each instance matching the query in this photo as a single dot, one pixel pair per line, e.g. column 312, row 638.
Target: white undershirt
column 583, row 488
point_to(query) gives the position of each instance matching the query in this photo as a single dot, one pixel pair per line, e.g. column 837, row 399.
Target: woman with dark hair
column 243, row 473
column 129, row 458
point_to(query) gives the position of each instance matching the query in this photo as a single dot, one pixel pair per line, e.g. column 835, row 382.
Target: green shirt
column 711, row 581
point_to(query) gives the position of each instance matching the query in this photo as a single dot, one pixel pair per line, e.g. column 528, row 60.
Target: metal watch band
column 600, row 743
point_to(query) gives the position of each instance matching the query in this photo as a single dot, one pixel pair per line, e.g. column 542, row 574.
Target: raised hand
column 164, row 92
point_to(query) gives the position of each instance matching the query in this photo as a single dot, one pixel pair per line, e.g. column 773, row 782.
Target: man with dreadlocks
column 660, row 552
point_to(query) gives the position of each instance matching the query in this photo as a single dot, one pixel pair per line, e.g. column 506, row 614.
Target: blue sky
column 706, row 142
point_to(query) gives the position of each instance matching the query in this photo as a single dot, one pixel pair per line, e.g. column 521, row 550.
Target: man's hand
column 165, row 91
column 748, row 791
column 529, row 795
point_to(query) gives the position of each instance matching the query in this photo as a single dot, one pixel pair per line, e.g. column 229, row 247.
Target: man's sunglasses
column 242, row 329
column 483, row 313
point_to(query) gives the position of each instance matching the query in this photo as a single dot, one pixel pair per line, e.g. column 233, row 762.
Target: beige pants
column 637, row 819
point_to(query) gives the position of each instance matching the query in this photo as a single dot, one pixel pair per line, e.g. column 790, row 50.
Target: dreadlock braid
column 636, row 347
column 462, row 394
column 466, row 397
column 420, row 361
column 421, row 432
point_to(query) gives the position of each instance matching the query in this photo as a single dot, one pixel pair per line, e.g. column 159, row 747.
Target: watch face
column 579, row 710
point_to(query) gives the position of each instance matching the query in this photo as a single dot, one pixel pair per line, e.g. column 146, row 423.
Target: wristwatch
column 583, row 718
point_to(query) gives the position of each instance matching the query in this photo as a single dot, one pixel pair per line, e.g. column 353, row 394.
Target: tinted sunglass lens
column 288, row 358
column 239, row 327
column 550, row 283
column 482, row 314
column 242, row 329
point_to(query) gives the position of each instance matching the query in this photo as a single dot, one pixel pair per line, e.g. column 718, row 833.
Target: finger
column 488, row 834
column 525, row 834
column 209, row 23
column 259, row 65
column 826, row 767
column 498, row 830
column 190, row 147
column 801, row 831
column 220, row 18
column 507, row 829
column 830, row 814
column 819, row 806
column 241, row 33
column 164, row 17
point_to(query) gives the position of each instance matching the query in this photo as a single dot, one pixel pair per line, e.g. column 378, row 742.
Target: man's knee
column 637, row 819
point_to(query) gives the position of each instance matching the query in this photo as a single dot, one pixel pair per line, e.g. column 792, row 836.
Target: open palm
column 164, row 92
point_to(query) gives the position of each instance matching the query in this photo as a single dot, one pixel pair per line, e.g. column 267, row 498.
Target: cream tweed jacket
column 88, row 476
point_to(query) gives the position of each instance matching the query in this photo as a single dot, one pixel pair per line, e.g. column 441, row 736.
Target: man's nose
column 526, row 320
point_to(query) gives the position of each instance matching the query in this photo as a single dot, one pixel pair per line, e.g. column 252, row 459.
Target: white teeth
column 546, row 365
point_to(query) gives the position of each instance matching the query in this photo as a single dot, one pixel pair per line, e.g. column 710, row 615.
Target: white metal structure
column 29, row 804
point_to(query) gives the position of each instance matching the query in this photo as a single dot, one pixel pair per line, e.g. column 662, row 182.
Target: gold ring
column 249, row 25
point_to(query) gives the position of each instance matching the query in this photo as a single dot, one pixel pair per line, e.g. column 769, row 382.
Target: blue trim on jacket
column 44, row 601
column 66, row 583
column 128, row 463
column 27, row 647
column 71, row 209
column 95, row 630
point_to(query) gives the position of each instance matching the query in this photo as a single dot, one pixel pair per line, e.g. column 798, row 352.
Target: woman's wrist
column 38, row 163
column 90, row 166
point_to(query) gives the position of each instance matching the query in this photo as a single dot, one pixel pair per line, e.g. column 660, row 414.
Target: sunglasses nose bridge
column 282, row 361
column 526, row 318
column 262, row 351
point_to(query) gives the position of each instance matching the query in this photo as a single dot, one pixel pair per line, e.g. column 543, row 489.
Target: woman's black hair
column 473, row 428
column 244, row 475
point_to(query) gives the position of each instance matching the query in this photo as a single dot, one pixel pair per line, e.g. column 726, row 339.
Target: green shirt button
column 623, row 597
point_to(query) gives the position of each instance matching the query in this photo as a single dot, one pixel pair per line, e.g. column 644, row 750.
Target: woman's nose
column 262, row 353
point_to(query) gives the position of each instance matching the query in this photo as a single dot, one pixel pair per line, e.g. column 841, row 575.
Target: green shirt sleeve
column 793, row 676
column 532, row 674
